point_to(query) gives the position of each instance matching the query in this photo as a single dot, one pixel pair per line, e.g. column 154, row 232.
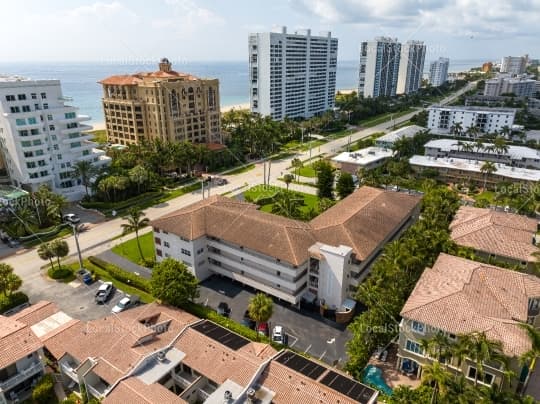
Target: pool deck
column 392, row 376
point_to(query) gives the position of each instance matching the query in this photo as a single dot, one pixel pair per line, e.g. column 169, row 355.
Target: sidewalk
column 125, row 264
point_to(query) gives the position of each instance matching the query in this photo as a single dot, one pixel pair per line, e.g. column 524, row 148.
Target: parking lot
column 306, row 331
column 75, row 298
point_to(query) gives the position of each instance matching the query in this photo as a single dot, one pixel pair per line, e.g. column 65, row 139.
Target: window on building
column 26, row 108
column 166, row 244
column 20, row 121
column 186, row 252
column 33, row 96
column 158, row 252
column 45, row 106
column 10, row 98
column 32, row 121
column 418, row 327
column 413, row 346
column 43, row 96
column 49, row 117
column 21, row 97
column 486, row 378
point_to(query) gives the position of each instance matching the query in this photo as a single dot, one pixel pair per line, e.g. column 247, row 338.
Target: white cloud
column 481, row 18
column 188, row 16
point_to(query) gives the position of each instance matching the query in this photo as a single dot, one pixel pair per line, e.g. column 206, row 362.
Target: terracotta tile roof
column 134, row 391
column 362, row 221
column 16, row 341
column 293, row 387
column 118, row 342
column 462, row 296
column 503, row 234
column 36, row 312
column 138, row 78
column 218, row 362
column 215, row 146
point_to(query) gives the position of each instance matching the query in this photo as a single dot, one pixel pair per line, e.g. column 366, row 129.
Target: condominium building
column 499, row 236
column 438, row 72
column 514, row 64
column 456, row 297
column 411, row 67
column 324, row 259
column 515, row 156
column 520, row 86
column 292, row 75
column 363, row 159
column 387, row 141
column 442, row 119
column 379, row 67
column 42, row 136
column 155, row 354
column 164, row 104
column 21, row 360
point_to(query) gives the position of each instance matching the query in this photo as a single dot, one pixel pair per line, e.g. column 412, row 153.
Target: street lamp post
column 76, row 236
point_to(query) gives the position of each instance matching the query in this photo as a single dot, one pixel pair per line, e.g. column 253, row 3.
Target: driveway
column 75, row 298
column 307, row 332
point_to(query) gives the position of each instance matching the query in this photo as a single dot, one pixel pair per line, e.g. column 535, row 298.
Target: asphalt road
column 99, row 237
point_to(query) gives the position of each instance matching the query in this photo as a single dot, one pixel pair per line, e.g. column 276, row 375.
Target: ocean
column 79, row 80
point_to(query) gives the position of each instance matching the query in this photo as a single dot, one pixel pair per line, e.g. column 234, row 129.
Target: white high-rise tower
column 411, row 67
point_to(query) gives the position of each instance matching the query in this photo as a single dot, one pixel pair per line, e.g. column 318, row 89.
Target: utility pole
column 75, row 235
column 269, row 165
column 264, row 172
column 202, row 188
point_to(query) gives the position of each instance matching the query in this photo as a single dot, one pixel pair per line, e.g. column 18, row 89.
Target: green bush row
column 11, row 301
column 43, row 393
column 123, row 204
column 121, row 275
column 59, row 273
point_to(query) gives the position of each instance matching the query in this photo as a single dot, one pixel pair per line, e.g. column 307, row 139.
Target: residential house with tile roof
column 501, row 236
column 155, row 354
column 324, row 259
column 457, row 297
column 21, row 360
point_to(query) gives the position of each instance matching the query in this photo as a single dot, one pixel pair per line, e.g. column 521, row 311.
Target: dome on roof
column 164, row 60
column 165, row 65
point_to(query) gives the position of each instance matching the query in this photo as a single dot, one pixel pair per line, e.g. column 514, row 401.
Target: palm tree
column 468, row 147
column 84, row 170
column 437, row 377
column 473, row 131
column 479, row 145
column 457, row 129
column 45, row 252
column 288, row 178
column 531, row 356
column 60, row 249
column 135, row 222
column 487, row 168
column 287, row 204
column 481, row 350
column 260, row 308
column 500, row 145
column 138, row 175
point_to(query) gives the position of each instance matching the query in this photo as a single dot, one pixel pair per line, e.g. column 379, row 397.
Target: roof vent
column 228, row 395
column 161, row 356
column 251, row 393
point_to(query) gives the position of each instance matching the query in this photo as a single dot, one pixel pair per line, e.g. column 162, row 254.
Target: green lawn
column 307, row 171
column 377, row 120
column 100, row 136
column 129, row 250
column 296, row 145
column 258, row 192
column 241, row 169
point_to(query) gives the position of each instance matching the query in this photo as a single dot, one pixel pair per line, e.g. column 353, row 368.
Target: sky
column 141, row 31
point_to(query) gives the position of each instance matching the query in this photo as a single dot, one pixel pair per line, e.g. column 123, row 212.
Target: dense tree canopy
column 173, row 283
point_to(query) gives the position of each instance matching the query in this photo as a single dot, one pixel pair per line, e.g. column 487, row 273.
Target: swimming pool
column 373, row 376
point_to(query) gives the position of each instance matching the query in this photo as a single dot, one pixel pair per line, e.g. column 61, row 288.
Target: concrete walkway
column 125, row 264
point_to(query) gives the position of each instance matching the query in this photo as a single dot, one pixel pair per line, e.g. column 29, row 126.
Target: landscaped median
column 129, row 250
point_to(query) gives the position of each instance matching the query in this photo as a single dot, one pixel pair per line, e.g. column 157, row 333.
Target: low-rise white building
column 441, row 119
column 366, row 159
column 388, row 140
column 456, row 170
column 325, row 258
column 42, row 137
column 520, row 86
column 516, row 156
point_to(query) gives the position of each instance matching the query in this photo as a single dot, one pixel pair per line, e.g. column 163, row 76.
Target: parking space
column 307, row 331
column 75, row 298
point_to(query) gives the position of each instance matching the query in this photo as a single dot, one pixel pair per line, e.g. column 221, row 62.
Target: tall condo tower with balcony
column 379, row 67
column 292, row 75
column 438, row 72
column 42, row 136
column 411, row 67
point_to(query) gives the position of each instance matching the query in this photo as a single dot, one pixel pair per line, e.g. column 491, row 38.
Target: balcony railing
column 69, row 371
column 98, row 390
column 21, row 376
column 184, row 379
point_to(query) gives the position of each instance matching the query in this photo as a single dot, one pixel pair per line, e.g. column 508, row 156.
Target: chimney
column 164, row 65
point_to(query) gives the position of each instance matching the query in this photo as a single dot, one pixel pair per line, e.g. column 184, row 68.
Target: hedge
column 59, row 273
column 44, row 391
column 13, row 300
column 121, row 275
column 122, row 204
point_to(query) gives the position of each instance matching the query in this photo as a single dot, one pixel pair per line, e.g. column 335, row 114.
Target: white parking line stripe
column 308, row 348
column 295, row 340
column 322, row 356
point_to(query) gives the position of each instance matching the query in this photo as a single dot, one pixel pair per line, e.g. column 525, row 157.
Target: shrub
column 59, row 273
column 11, row 301
column 121, row 275
column 44, row 391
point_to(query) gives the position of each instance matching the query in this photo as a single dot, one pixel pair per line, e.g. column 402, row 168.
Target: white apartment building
column 515, row 156
column 292, row 75
column 438, row 72
column 324, row 259
column 42, row 137
column 442, row 119
column 379, row 67
column 514, row 64
column 365, row 159
column 520, row 86
column 387, row 141
column 411, row 67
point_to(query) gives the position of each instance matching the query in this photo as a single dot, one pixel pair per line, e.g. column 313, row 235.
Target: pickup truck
column 104, row 292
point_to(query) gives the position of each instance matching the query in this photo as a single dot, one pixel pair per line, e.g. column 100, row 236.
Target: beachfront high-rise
column 292, row 75
column 379, row 67
column 165, row 105
column 514, row 64
column 42, row 137
column 438, row 72
column 411, row 67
